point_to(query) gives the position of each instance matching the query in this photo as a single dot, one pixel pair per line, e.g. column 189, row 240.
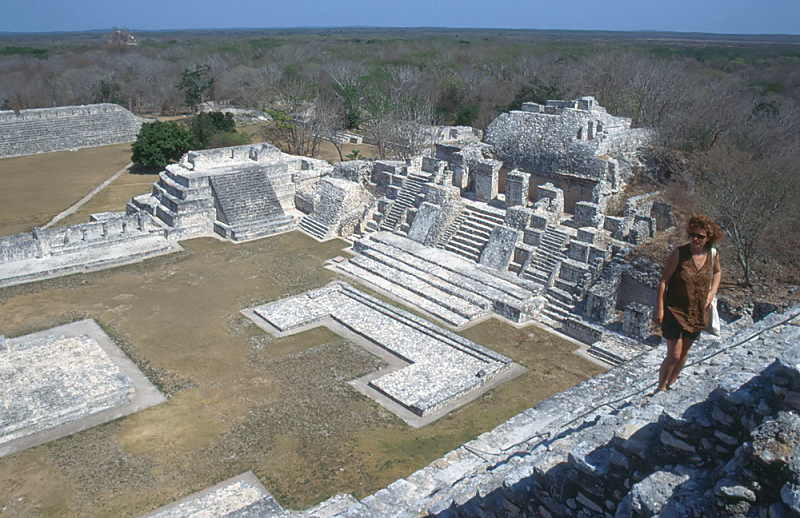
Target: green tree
column 467, row 115
column 206, row 126
column 108, row 92
column 196, row 84
column 158, row 143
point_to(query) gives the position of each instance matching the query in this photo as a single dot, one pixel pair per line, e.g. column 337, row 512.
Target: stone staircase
column 406, row 199
column 543, row 267
column 43, row 130
column 248, row 206
column 551, row 250
column 311, row 226
column 474, row 229
column 442, row 283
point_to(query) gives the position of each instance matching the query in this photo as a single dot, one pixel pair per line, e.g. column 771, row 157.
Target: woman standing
column 688, row 285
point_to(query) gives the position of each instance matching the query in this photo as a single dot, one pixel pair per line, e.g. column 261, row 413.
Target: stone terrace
column 442, row 283
column 51, row 380
column 62, row 380
column 442, row 366
column 43, row 130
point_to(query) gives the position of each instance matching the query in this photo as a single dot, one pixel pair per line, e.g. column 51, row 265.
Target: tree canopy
column 159, row 143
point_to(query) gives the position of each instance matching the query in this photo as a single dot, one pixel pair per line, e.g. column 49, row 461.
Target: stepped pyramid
column 248, row 206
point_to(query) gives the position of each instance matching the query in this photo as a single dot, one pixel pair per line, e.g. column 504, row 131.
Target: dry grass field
column 238, row 399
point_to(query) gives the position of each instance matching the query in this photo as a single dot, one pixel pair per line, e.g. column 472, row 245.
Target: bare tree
column 746, row 193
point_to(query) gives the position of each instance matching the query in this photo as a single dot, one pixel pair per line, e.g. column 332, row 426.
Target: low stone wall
column 43, row 130
column 56, row 241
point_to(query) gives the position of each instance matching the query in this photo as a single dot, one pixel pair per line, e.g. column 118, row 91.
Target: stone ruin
column 43, row 130
column 63, row 380
column 431, row 367
column 576, row 145
column 440, row 234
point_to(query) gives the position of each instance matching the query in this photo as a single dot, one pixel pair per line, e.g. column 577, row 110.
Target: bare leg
column 667, row 366
column 686, row 344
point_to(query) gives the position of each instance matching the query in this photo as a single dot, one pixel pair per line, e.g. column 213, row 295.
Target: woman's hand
column 658, row 315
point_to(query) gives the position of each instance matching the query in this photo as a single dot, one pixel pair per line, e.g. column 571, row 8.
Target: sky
column 707, row 16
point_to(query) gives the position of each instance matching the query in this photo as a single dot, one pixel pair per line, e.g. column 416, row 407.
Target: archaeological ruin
column 43, row 130
column 515, row 226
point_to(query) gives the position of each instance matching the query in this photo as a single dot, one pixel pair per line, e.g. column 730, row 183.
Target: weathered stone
column 731, row 491
column 669, row 440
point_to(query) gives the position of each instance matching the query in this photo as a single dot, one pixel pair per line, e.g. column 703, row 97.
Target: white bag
column 713, row 319
column 713, row 313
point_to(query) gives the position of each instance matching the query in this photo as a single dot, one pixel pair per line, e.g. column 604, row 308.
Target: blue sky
column 711, row 16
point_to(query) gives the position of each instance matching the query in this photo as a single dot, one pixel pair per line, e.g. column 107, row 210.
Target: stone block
column 486, row 179
column 539, row 222
column 423, row 222
column 532, row 236
column 636, row 321
column 500, row 248
column 518, row 217
column 588, row 214
column 554, row 197
column 517, row 188
column 586, row 235
column 578, row 251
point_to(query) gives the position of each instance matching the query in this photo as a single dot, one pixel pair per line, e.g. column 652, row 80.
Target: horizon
column 733, row 18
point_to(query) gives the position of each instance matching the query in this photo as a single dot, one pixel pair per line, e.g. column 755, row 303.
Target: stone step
column 463, row 251
column 430, row 290
column 313, row 227
column 439, row 311
column 560, row 295
column 447, row 264
column 422, row 271
column 604, row 355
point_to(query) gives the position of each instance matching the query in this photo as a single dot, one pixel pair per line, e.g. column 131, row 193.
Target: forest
column 726, row 107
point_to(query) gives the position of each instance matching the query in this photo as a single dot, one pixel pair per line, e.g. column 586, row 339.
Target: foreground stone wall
column 43, row 130
column 723, row 442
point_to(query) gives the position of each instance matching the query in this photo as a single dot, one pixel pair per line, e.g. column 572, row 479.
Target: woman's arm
column 715, row 280
column 666, row 275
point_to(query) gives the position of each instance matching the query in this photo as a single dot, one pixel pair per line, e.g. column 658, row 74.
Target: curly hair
column 703, row 222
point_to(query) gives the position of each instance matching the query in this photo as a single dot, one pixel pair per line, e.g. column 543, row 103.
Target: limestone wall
column 62, row 240
column 43, row 130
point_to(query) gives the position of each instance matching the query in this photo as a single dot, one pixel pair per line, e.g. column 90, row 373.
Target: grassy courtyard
column 239, row 399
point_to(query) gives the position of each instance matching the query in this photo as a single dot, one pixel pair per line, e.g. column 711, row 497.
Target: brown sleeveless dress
column 687, row 291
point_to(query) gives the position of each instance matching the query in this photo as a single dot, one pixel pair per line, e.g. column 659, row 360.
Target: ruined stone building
column 513, row 226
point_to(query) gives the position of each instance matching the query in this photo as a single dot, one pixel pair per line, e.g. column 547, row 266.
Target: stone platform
column 430, row 368
column 65, row 379
column 85, row 259
column 439, row 282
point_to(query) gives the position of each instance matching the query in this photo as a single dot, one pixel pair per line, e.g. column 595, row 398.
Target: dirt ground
column 238, row 399
column 37, row 187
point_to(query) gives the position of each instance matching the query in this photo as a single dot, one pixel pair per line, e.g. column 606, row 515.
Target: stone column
column 517, row 187
column 486, row 179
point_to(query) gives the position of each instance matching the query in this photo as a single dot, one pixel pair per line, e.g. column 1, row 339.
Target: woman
column 688, row 285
